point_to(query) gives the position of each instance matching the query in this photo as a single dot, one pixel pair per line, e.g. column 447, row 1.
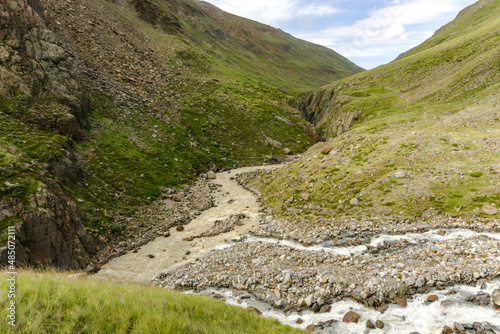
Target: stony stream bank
column 346, row 277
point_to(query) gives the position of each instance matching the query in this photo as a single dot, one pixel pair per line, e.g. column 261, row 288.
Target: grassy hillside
column 279, row 58
column 414, row 138
column 53, row 303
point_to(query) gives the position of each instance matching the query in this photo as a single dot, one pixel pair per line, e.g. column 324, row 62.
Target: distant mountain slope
column 300, row 64
column 260, row 51
column 418, row 137
column 103, row 104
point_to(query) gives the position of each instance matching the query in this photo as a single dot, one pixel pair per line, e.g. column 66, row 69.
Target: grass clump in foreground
column 51, row 303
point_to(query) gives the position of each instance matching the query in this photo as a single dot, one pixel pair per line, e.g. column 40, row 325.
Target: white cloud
column 397, row 27
column 384, row 33
column 274, row 11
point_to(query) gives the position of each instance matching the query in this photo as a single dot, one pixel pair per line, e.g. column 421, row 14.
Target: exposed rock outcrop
column 36, row 64
column 52, row 233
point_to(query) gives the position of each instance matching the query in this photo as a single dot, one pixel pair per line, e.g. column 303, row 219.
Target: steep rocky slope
column 414, row 139
column 104, row 104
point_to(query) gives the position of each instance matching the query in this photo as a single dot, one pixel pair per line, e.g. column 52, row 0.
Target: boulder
column 489, row 209
column 351, row 317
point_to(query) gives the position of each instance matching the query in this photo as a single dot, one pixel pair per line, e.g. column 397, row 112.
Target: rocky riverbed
column 348, row 272
column 225, row 212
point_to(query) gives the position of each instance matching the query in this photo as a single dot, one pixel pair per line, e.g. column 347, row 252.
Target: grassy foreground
column 52, row 303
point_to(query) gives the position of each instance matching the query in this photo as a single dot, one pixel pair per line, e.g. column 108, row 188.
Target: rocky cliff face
column 323, row 108
column 36, row 66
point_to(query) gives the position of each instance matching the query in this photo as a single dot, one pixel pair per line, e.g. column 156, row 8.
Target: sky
column 368, row 32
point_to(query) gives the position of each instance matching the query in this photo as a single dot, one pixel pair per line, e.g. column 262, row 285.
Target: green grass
column 51, row 303
column 432, row 113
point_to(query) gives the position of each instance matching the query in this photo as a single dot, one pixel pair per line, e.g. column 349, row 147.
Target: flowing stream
column 165, row 254
column 418, row 316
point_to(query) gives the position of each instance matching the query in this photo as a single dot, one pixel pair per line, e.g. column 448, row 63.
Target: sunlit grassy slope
column 414, row 138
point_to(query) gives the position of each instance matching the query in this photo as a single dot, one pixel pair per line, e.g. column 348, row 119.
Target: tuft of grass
column 49, row 302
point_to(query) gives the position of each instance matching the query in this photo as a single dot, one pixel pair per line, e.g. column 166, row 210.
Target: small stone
column 316, row 307
column 400, row 174
column 254, row 310
column 477, row 325
column 320, row 301
column 370, row 325
column 458, row 326
column 496, row 297
column 180, row 228
column 351, row 317
column 188, row 239
column 432, row 298
column 287, row 151
column 354, row 201
column 442, row 233
column 489, row 209
column 325, row 309
column 310, row 328
column 151, row 256
column 380, row 324
column 447, row 330
column 131, row 228
column 176, row 197
column 122, row 244
column 420, row 281
column 327, row 149
column 309, row 300
column 299, row 321
column 401, row 302
column 211, row 175
column 301, row 302
column 14, row 185
column 305, row 196
column 324, row 280
column 383, row 308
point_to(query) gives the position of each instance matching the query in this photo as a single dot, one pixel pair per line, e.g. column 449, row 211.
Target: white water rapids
column 416, row 317
column 415, row 238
